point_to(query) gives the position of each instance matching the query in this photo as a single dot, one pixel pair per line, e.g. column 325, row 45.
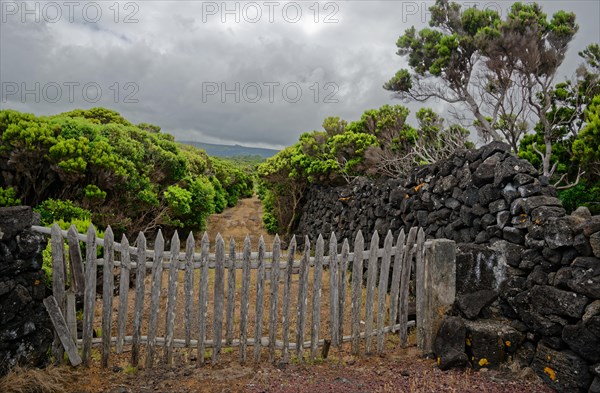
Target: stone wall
column 25, row 328
column 526, row 272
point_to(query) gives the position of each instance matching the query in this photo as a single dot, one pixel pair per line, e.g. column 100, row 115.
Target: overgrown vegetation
column 95, row 165
column 381, row 143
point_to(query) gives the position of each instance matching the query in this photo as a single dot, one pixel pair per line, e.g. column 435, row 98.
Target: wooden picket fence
column 376, row 310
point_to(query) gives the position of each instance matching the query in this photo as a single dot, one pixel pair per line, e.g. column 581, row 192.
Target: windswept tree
column 501, row 72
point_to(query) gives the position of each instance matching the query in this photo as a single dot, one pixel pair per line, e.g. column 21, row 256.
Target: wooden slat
column 89, row 295
column 245, row 299
column 203, row 299
column 61, row 329
column 58, row 285
column 396, row 276
column 302, row 296
column 230, row 292
column 188, row 287
column 420, row 293
column 264, row 341
column 333, row 291
column 71, row 315
column 357, row 268
column 108, row 284
column 273, row 303
column 286, row 298
column 123, row 293
column 76, row 262
column 140, row 275
column 342, row 287
column 404, row 284
column 157, row 269
column 260, row 297
column 383, row 285
column 171, row 300
column 219, row 298
column 371, row 283
column 316, row 298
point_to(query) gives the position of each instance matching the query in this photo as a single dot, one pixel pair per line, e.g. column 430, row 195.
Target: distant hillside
column 232, row 150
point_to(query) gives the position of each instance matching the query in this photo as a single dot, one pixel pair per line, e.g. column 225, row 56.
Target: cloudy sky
column 253, row 73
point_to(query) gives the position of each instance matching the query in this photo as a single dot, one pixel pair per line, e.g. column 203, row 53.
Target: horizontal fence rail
column 212, row 297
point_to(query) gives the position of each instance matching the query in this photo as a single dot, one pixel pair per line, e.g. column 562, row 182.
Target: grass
column 33, row 380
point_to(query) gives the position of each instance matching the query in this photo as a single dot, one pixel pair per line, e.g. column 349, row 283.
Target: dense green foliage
column 8, row 197
column 380, row 143
column 131, row 177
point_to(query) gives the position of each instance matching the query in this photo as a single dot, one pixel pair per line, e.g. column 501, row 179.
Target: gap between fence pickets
column 264, row 341
column 211, row 257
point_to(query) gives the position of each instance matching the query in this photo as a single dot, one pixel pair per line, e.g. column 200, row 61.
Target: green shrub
column 52, row 210
column 8, row 197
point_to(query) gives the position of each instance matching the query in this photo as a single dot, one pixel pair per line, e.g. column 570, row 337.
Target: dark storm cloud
column 164, row 67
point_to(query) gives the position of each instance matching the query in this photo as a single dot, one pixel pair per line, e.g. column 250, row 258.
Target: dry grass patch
column 34, row 380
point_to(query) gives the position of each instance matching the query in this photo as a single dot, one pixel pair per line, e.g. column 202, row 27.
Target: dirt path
column 236, row 222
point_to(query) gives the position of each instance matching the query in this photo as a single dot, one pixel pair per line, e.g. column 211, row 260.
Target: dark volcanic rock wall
column 25, row 328
column 520, row 257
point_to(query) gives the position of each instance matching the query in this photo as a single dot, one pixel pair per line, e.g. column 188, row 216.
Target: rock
column 581, row 338
column 582, row 245
column 542, row 214
column 479, row 268
column 489, row 341
column 546, row 299
column 13, row 220
column 558, row 233
column 595, row 386
column 564, row 371
column 489, row 193
column 541, row 200
column 449, row 345
column 506, row 170
column 512, row 253
column 498, row 205
column 586, row 276
column 583, row 213
column 513, row 235
column 591, row 226
column 502, row 218
column 595, row 243
column 485, row 171
column 591, row 310
column 471, row 304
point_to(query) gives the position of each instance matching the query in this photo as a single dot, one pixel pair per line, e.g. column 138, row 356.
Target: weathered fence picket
column 357, row 273
column 108, row 283
column 171, row 299
column 188, row 287
column 89, row 296
column 245, row 301
column 383, row 287
column 157, row 267
column 371, row 277
column 274, row 297
column 140, row 274
column 286, row 298
column 342, row 288
column 302, row 298
column 231, row 279
column 203, row 298
column 377, row 307
column 260, row 298
column 316, row 298
column 123, row 293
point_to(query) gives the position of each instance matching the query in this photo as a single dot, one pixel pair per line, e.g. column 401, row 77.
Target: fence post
column 436, row 281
